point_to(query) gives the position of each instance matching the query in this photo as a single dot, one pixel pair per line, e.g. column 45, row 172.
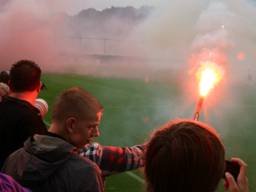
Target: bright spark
column 209, row 74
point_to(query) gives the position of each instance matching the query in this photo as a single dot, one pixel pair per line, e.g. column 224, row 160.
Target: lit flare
column 209, row 75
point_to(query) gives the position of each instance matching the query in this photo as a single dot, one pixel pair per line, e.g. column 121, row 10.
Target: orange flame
column 209, row 74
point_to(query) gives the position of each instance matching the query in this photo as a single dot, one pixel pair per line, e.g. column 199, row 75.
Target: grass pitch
column 133, row 108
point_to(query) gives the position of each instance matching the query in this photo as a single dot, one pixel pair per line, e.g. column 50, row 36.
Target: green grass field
column 133, row 108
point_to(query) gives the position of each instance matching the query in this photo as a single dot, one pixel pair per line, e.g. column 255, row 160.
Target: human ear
column 71, row 124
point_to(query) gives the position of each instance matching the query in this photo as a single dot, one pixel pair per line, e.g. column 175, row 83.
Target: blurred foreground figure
column 8, row 184
column 51, row 162
column 187, row 155
column 19, row 119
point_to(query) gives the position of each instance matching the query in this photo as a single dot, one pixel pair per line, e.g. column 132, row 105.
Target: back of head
column 4, row 77
column 184, row 156
column 76, row 102
column 24, row 76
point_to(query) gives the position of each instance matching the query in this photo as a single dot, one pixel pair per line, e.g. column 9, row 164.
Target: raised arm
column 113, row 159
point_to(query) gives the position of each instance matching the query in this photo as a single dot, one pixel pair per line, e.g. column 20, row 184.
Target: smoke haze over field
column 173, row 34
column 183, row 28
column 28, row 31
column 40, row 31
column 185, row 32
column 166, row 41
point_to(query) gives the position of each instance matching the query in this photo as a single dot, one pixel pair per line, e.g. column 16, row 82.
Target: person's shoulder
column 82, row 161
column 23, row 107
column 14, row 159
column 88, row 172
column 15, row 155
column 79, row 163
column 12, row 106
column 17, row 103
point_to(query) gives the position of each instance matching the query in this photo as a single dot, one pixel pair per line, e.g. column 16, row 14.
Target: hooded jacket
column 49, row 163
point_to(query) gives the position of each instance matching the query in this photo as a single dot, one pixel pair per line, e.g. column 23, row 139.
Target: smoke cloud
column 180, row 29
column 168, row 44
column 174, row 34
column 181, row 33
column 42, row 31
column 29, row 31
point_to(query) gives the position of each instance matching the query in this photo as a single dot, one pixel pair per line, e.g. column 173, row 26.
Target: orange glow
column 209, row 74
column 240, row 56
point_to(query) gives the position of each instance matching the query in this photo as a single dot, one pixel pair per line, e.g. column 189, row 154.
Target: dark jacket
column 49, row 163
column 18, row 121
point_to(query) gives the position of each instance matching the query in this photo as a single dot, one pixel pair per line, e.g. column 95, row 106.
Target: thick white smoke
column 183, row 32
column 176, row 32
column 179, row 29
column 42, row 31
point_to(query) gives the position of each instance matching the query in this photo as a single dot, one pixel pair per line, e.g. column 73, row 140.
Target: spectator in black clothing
column 19, row 119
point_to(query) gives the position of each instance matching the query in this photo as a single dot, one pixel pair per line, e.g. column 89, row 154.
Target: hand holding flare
column 209, row 74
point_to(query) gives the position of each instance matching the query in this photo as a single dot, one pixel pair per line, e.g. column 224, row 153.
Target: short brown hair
column 24, row 76
column 182, row 156
column 76, row 102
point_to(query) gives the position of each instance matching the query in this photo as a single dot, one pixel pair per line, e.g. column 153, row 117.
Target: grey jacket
column 49, row 163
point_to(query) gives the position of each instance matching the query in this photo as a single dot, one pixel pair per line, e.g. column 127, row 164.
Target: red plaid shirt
column 112, row 159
